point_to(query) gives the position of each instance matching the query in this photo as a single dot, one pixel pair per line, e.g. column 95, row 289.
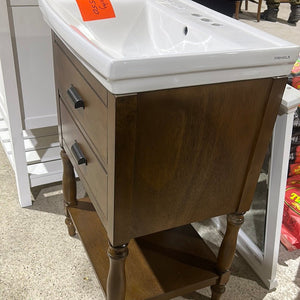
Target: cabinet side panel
column 262, row 142
column 193, row 148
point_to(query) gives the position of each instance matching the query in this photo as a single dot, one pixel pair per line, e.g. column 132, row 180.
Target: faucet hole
column 185, row 30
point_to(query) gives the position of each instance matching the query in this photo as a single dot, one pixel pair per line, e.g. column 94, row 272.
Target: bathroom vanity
column 161, row 141
column 154, row 162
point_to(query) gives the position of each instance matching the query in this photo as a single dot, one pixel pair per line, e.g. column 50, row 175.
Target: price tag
column 92, row 10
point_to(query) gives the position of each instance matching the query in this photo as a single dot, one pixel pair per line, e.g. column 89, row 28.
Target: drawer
column 93, row 117
column 92, row 174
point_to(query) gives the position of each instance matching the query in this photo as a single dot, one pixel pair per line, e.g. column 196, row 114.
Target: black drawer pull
column 78, row 154
column 76, row 98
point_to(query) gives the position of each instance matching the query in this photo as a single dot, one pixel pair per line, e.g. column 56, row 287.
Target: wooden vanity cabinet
column 154, row 162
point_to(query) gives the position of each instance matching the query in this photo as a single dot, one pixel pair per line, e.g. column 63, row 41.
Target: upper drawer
column 93, row 117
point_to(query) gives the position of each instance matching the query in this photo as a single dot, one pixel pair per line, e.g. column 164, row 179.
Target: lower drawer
column 93, row 176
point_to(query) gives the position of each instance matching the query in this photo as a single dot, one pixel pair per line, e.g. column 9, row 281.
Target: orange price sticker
column 92, row 10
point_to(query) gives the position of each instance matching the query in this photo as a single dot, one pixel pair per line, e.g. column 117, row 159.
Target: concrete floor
column 38, row 260
column 281, row 28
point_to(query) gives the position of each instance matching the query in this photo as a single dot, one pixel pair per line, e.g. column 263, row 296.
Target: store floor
column 38, row 260
column 281, row 28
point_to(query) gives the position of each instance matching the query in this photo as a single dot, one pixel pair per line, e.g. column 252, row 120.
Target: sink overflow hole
column 185, row 30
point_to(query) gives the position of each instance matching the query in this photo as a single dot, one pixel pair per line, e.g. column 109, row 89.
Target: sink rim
column 110, row 70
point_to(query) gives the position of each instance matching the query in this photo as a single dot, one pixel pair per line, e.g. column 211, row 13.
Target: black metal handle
column 76, row 98
column 78, row 154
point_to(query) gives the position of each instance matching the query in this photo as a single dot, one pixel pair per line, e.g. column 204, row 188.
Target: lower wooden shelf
column 159, row 266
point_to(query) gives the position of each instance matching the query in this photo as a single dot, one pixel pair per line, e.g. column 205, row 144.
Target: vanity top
column 138, row 45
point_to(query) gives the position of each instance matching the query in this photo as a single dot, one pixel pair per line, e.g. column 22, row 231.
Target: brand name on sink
column 282, row 57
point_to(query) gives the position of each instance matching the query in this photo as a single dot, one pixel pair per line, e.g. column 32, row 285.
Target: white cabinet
column 34, row 56
column 28, row 120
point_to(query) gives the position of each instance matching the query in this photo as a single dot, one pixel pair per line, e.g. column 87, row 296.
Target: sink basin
column 157, row 44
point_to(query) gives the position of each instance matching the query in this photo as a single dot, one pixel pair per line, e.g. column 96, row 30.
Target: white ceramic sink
column 157, row 44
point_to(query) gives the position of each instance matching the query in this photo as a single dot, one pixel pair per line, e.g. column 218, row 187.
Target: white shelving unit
column 28, row 121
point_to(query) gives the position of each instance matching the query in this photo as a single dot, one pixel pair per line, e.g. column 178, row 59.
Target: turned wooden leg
column 116, row 281
column 69, row 190
column 226, row 253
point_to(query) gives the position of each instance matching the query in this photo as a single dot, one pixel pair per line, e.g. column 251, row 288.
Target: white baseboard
column 41, row 121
